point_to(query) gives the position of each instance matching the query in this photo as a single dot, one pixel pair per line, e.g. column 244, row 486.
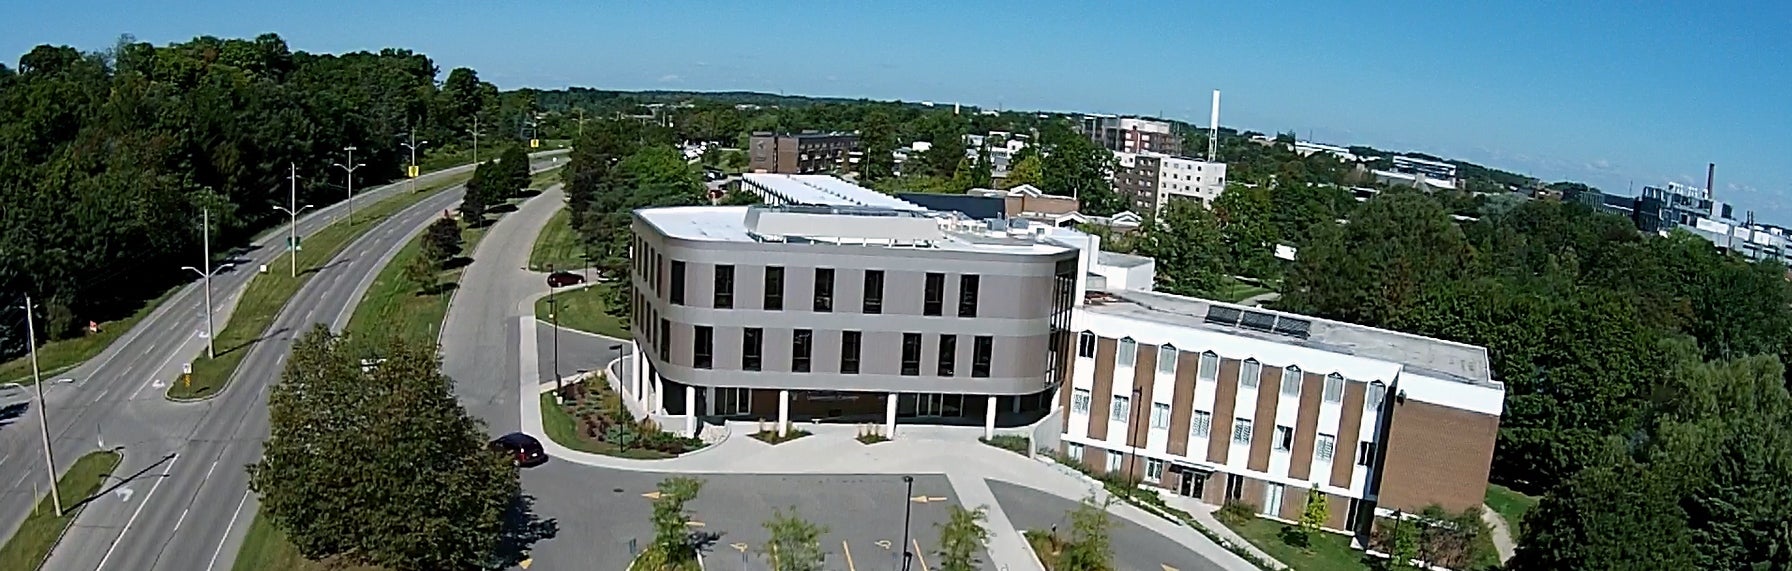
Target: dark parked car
column 563, row 279
column 524, row 450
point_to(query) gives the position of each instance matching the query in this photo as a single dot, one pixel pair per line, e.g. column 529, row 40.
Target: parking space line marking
column 848, row 550
column 918, row 555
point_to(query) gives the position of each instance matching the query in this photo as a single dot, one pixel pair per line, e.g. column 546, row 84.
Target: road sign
column 412, row 171
column 295, row 243
column 534, row 143
column 186, row 368
column 526, row 563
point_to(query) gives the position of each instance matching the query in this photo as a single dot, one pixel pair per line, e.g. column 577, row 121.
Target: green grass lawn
column 1510, row 505
column 558, row 245
column 393, row 306
column 564, row 429
column 266, row 549
column 1328, row 552
column 58, row 356
column 268, row 293
column 1233, row 291
column 582, row 309
column 544, row 179
column 27, row 549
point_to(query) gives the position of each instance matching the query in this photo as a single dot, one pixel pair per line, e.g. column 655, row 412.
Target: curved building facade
column 846, row 312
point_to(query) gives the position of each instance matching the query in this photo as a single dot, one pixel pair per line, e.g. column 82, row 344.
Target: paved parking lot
column 603, row 518
column 1135, row 548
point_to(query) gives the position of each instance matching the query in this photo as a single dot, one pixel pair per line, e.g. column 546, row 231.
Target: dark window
column 933, row 296
column 911, row 354
column 1085, row 344
column 849, row 352
column 948, row 355
column 874, row 291
column 665, row 340
column 677, row 282
column 724, row 287
column 703, row 349
column 824, row 289
column 1365, row 453
column 967, row 296
column 774, row 288
column 981, row 347
column 802, row 342
column 752, row 347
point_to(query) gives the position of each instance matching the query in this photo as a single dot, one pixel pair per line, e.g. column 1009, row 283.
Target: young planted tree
column 673, row 548
column 960, row 538
column 346, row 447
column 441, row 242
column 795, row 542
column 421, row 272
column 1311, row 517
column 1090, row 547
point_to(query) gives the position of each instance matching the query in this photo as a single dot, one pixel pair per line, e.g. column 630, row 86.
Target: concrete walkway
column 833, row 449
column 1502, row 533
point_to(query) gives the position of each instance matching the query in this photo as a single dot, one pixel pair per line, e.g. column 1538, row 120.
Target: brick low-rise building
column 801, row 153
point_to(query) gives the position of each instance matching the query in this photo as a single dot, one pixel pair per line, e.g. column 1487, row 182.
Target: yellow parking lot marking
column 526, row 563
column 926, row 499
column 848, row 550
column 694, row 523
column 1167, row 567
column 654, row 495
column 918, row 556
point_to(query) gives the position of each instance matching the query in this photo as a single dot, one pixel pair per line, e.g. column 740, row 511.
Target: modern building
column 1430, row 168
column 800, row 153
column 1227, row 403
column 1684, row 205
column 1150, row 180
column 1131, row 134
column 834, row 304
column 1028, row 202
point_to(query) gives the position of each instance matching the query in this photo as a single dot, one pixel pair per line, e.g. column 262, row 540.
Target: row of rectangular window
column 1249, row 373
column 851, row 346
column 823, row 299
column 1201, row 426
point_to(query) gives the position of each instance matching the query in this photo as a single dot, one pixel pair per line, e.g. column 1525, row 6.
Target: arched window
column 1129, row 352
column 1334, row 388
column 1249, row 373
column 1166, row 359
column 1291, row 381
column 1377, row 392
column 1210, row 367
column 1085, row 344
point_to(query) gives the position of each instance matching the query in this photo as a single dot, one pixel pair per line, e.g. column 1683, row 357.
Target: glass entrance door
column 1192, row 483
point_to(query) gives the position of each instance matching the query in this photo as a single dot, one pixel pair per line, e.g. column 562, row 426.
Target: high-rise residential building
column 1148, row 181
column 801, row 153
column 1132, row 134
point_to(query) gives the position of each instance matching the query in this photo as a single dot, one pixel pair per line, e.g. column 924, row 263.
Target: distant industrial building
column 801, row 153
column 1419, row 173
column 1132, row 134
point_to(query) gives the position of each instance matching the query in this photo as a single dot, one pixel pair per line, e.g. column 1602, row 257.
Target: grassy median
column 268, row 293
column 28, row 547
column 395, row 306
column 582, row 309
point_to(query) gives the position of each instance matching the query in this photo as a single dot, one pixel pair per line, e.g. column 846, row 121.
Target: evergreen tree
column 442, row 241
column 478, row 198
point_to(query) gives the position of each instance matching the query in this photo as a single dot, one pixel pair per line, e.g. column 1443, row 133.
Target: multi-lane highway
column 179, row 495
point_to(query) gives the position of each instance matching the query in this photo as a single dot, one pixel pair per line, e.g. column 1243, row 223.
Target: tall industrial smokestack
column 1710, row 178
column 1213, row 129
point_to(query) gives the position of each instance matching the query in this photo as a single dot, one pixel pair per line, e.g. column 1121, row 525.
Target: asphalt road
column 182, row 487
column 1135, row 548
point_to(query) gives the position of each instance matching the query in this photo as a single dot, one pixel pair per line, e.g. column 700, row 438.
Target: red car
column 563, row 279
column 523, row 449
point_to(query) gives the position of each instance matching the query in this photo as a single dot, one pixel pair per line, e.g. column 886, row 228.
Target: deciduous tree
column 1188, row 248
column 442, row 241
column 795, row 542
column 961, row 536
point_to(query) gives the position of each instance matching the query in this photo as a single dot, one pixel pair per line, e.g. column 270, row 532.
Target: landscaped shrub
column 1235, row 513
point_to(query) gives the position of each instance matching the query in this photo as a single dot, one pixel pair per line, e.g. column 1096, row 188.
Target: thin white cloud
column 670, row 78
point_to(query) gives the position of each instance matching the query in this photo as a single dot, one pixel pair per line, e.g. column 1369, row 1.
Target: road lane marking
column 738, row 546
column 1167, row 567
column 848, row 550
column 182, row 519
column 134, row 514
column 919, row 556
column 171, row 355
column 227, row 528
column 208, row 472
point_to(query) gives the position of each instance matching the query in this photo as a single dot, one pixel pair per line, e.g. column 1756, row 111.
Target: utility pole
column 351, row 181
column 43, row 411
column 475, row 138
column 292, row 228
column 908, row 508
column 581, row 122
column 412, row 145
column 554, row 317
column 206, row 271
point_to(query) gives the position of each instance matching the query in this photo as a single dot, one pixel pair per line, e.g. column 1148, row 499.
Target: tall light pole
column 475, row 138
column 412, row 145
column 907, row 510
column 43, row 411
column 350, row 168
column 581, row 122
column 292, row 228
column 554, row 317
column 211, row 333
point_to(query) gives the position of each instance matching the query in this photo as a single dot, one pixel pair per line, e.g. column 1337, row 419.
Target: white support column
column 659, row 395
column 709, row 401
column 690, row 410
column 989, row 418
column 783, row 413
column 640, row 370
column 1016, row 402
column 890, row 415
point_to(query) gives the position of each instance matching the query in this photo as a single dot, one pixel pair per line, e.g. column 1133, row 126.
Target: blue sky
column 1604, row 92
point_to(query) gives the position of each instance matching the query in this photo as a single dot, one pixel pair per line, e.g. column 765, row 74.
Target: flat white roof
column 825, row 190
column 731, row 224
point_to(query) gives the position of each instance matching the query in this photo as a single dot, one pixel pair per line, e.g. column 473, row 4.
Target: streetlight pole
column 43, row 411
column 412, row 145
column 554, row 317
column 292, row 228
column 350, row 168
column 475, row 138
column 907, row 510
column 211, row 333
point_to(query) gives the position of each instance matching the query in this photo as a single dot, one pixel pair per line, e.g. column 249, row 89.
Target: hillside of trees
column 108, row 157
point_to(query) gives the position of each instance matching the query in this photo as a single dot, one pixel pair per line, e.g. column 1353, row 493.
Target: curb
column 76, row 513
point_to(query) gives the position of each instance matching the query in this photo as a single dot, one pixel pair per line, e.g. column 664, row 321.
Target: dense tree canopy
column 107, row 158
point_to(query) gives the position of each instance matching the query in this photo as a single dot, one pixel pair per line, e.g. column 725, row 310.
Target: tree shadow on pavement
column 522, row 529
column 11, row 413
